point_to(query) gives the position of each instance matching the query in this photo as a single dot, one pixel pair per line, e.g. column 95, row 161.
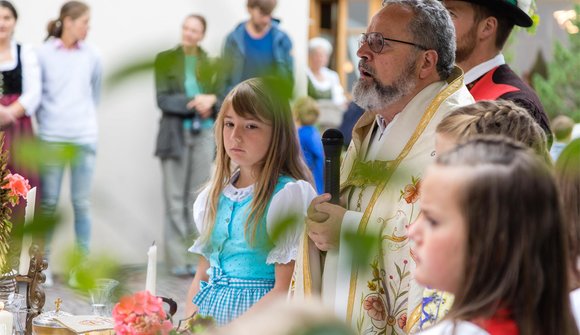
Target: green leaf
column 362, row 247
column 284, row 225
column 399, row 271
column 130, row 70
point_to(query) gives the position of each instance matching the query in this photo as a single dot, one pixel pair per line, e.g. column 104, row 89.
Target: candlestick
column 6, row 320
column 150, row 282
column 27, row 239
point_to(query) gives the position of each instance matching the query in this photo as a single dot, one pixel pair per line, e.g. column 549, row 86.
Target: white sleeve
column 292, row 200
column 200, row 207
column 96, row 78
column 338, row 97
column 31, row 81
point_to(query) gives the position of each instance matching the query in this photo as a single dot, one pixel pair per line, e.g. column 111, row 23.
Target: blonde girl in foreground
column 243, row 263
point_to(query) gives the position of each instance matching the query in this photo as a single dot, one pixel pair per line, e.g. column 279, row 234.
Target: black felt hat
column 515, row 10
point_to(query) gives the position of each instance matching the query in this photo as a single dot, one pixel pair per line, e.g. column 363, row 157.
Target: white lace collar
column 237, row 194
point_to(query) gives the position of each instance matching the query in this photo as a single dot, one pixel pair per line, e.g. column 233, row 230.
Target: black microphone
column 332, row 141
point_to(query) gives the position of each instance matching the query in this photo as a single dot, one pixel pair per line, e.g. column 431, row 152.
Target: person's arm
column 96, row 78
column 203, row 104
column 283, row 277
column 29, row 100
column 171, row 97
column 324, row 222
column 31, row 90
column 287, row 70
column 200, row 275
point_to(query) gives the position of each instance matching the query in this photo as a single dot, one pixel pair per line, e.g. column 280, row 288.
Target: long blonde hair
column 258, row 98
column 499, row 117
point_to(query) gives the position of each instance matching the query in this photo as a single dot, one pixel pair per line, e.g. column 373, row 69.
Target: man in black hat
column 482, row 29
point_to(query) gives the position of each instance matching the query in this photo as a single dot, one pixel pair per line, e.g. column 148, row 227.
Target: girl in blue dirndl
column 244, row 263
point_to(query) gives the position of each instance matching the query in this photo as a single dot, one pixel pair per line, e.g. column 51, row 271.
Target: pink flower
column 141, row 314
column 375, row 307
column 17, row 187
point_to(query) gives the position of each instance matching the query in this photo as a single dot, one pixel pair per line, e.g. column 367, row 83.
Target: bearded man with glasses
column 408, row 83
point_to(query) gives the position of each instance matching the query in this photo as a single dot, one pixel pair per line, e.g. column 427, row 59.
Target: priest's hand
column 323, row 222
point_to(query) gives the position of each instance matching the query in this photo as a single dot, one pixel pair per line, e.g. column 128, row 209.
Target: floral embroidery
column 375, row 307
column 386, row 304
column 412, row 192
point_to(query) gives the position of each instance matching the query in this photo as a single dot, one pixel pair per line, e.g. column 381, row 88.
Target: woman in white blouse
column 324, row 84
column 20, row 91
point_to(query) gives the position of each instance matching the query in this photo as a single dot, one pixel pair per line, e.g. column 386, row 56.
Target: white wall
column 127, row 202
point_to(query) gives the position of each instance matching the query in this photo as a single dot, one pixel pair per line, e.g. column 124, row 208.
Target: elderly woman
column 324, row 84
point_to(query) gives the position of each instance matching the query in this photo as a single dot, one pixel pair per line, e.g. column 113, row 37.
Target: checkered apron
column 225, row 298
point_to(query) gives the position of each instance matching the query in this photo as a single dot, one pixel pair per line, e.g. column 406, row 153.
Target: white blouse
column 447, row 327
column 31, row 80
column 293, row 199
column 331, row 81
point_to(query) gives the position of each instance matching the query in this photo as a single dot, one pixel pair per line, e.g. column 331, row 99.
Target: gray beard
column 373, row 96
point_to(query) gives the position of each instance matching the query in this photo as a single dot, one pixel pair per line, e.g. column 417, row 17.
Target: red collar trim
column 486, row 89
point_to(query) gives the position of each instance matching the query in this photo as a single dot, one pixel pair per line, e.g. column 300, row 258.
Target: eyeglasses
column 376, row 42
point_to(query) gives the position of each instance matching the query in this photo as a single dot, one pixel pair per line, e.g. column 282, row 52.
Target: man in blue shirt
column 256, row 48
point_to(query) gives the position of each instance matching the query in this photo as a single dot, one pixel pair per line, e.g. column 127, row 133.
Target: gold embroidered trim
column 413, row 319
column 306, row 267
column 454, row 85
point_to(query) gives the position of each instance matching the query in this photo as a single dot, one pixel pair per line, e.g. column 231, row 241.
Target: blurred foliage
column 88, row 269
column 198, row 324
column 134, row 68
column 31, row 153
column 326, row 329
column 362, row 247
column 559, row 91
column 5, row 211
column 284, row 226
column 85, row 269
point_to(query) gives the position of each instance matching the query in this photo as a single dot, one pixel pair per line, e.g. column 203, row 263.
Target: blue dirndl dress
column 238, row 275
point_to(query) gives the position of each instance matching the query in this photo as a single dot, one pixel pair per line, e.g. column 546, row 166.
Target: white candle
column 27, row 239
column 151, row 269
column 5, row 321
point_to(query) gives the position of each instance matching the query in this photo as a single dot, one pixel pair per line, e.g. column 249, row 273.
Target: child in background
column 562, row 126
column 491, row 117
column 306, row 113
column 506, row 263
column 242, row 264
column 568, row 178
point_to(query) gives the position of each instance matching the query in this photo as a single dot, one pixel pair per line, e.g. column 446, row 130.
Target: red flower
column 17, row 187
column 141, row 314
column 375, row 307
column 412, row 191
column 402, row 321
